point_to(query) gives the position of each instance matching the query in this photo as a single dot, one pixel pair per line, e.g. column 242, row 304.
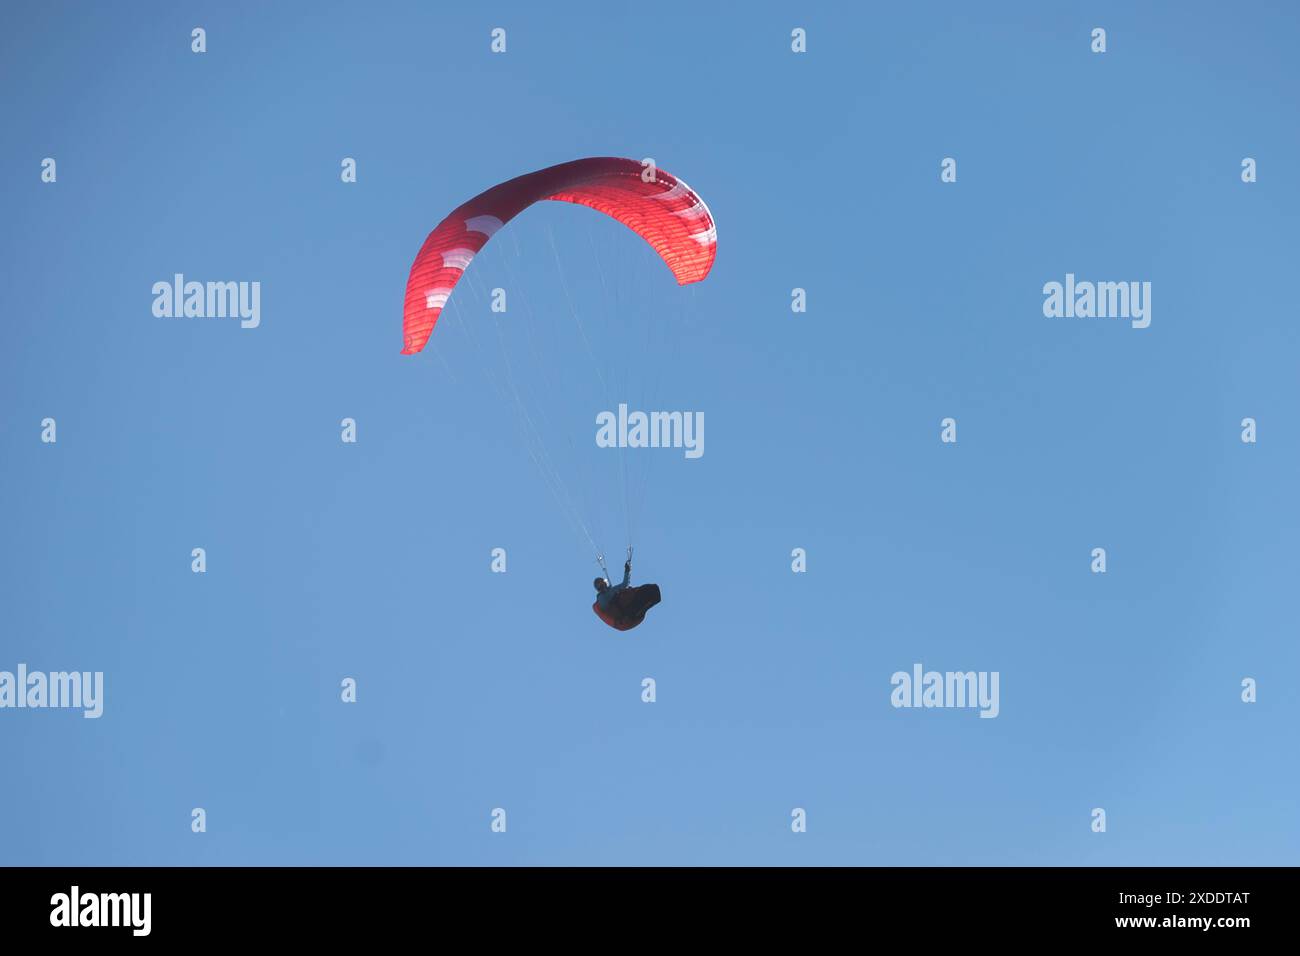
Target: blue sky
column 481, row 690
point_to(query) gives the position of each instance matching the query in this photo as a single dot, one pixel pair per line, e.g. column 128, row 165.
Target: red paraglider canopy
column 656, row 205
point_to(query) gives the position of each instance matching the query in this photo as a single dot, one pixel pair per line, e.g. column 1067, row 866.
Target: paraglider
column 662, row 210
column 654, row 204
column 622, row 606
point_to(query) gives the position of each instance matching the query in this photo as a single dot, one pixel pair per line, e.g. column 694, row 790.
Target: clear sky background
column 481, row 690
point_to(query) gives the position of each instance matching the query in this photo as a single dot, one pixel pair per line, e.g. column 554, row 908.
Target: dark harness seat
column 627, row 608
